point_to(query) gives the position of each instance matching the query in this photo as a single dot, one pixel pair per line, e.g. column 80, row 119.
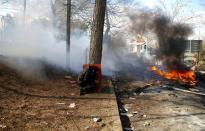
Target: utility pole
column 24, row 12
column 68, row 34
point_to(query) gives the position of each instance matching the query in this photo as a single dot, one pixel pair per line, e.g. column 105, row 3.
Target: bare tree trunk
column 24, row 12
column 106, row 35
column 53, row 8
column 68, row 34
column 95, row 55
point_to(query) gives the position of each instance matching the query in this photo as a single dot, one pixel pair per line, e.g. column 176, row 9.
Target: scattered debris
column 131, row 98
column 126, row 109
column 149, row 84
column 188, row 91
column 129, row 129
column 130, row 115
column 147, row 123
column 110, row 84
column 87, row 127
column 72, row 94
column 142, row 94
column 60, row 103
column 158, row 82
column 72, row 82
column 72, row 105
column 142, row 102
column 200, row 75
column 3, row 126
column 172, row 94
column 44, row 123
column 123, row 114
column 163, row 86
column 137, row 86
column 103, row 125
column 127, row 106
column 194, row 89
column 126, row 114
column 73, row 85
column 135, row 112
column 122, row 110
column 97, row 119
column 68, row 77
column 125, row 95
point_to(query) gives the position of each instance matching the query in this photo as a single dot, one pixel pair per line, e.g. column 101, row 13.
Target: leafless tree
column 177, row 11
column 68, row 33
column 24, row 11
column 4, row 1
column 82, row 11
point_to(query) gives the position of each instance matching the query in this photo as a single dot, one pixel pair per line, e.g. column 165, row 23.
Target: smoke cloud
column 172, row 41
column 171, row 37
column 39, row 44
column 37, row 41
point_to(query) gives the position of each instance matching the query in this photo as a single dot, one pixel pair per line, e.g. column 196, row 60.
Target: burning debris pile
column 184, row 77
column 171, row 44
column 171, row 39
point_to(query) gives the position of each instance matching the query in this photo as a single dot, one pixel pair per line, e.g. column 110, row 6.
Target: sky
column 192, row 6
column 34, row 7
column 196, row 4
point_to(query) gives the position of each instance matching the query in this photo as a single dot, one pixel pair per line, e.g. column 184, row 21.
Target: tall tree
column 95, row 54
column 107, row 31
column 176, row 11
column 53, row 10
column 24, row 12
column 68, row 33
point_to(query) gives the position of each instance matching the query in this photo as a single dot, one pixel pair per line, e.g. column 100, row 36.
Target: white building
column 137, row 45
column 141, row 45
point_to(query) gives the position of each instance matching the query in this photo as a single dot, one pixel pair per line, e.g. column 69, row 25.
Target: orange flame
column 186, row 77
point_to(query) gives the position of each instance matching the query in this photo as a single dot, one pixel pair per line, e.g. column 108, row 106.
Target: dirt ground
column 53, row 105
column 159, row 108
column 29, row 103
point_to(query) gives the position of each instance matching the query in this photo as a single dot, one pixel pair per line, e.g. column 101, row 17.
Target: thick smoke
column 36, row 42
column 171, row 37
column 118, row 60
column 31, row 47
column 172, row 41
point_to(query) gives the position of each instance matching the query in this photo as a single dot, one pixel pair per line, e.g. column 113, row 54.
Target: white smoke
column 37, row 42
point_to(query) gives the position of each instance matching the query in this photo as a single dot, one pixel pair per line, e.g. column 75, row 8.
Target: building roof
column 139, row 40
